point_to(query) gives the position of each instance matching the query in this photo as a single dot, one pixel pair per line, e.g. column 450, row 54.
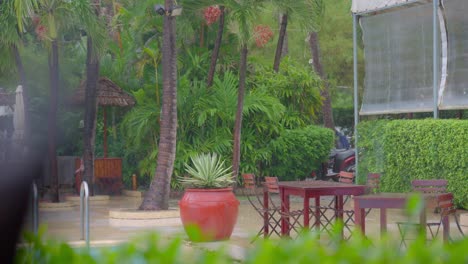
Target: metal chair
column 429, row 186
column 447, row 209
column 436, row 187
column 348, row 215
column 271, row 184
column 271, row 216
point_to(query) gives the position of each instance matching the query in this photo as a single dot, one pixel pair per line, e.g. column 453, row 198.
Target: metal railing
column 35, row 208
column 84, row 211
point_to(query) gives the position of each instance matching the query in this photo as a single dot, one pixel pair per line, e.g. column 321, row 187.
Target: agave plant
column 207, row 172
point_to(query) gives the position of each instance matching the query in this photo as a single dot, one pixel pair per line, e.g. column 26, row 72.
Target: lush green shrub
column 404, row 150
column 307, row 248
column 298, row 152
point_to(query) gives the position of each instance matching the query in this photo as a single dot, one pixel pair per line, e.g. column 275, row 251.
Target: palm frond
column 207, row 171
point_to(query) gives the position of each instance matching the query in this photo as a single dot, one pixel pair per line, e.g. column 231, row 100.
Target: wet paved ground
column 64, row 225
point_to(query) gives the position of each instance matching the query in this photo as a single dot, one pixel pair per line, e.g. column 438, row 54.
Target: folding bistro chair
column 433, row 186
column 271, row 216
column 348, row 215
column 271, row 184
column 447, row 209
column 429, row 186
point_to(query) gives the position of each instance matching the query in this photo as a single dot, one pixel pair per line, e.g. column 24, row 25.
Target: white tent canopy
column 414, row 55
column 366, row 6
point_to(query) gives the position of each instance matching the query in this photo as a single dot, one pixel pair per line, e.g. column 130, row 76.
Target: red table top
column 316, row 184
column 322, row 187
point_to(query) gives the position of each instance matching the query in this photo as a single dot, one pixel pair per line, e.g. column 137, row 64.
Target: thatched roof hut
column 108, row 94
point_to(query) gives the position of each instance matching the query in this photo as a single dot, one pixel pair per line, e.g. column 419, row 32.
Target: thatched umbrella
column 108, row 94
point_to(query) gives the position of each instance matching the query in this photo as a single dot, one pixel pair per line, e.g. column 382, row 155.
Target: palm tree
column 157, row 197
column 194, row 8
column 53, row 19
column 292, row 9
column 324, row 92
column 94, row 46
column 318, row 11
column 217, row 46
column 243, row 13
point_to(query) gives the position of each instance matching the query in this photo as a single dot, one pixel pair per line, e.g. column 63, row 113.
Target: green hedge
column 305, row 249
column 403, row 150
column 296, row 153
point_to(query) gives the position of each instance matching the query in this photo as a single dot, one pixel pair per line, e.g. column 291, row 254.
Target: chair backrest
column 271, row 183
column 429, row 186
column 373, row 182
column 249, row 181
column 446, row 205
column 346, row 177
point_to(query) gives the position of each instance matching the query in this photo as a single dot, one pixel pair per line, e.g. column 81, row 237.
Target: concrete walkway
column 64, row 225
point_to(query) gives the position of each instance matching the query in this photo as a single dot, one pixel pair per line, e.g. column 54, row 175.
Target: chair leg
column 402, row 234
column 457, row 221
column 433, row 234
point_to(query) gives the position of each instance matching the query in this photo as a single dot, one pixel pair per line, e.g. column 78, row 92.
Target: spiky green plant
column 208, row 172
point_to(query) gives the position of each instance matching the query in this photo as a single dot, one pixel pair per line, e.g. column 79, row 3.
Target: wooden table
column 383, row 201
column 314, row 189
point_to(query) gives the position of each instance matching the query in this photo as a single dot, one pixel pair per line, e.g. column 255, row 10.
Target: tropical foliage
column 154, row 248
column 404, row 150
column 130, row 53
column 207, row 171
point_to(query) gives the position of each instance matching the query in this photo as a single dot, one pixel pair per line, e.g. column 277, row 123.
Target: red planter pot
column 213, row 211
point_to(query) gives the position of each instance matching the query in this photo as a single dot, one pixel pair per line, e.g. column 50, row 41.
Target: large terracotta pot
column 213, row 211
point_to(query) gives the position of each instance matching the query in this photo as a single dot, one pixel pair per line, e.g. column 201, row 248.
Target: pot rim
column 209, row 190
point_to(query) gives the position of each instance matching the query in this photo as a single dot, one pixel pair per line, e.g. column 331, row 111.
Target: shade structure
column 398, row 61
column 368, row 6
column 18, row 115
column 108, row 94
column 415, row 55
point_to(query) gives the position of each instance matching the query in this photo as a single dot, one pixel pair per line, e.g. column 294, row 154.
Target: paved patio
column 64, row 225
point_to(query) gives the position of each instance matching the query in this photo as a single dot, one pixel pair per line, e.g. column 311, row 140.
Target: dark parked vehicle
column 339, row 160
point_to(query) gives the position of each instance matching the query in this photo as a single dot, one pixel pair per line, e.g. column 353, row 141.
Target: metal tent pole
column 355, row 69
column 435, row 58
column 84, row 212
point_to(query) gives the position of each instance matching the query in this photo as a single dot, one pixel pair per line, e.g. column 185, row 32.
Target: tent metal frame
column 435, row 44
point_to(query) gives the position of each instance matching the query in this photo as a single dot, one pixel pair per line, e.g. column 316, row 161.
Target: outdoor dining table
column 384, row 201
column 314, row 189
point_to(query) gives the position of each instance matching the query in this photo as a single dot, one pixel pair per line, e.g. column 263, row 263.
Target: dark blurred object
column 339, row 160
column 342, row 142
column 15, row 189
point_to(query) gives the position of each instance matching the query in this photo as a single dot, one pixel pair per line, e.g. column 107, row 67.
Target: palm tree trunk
column 157, row 197
column 240, row 107
column 215, row 54
column 279, row 46
column 19, row 66
column 52, row 120
column 327, row 111
column 89, row 132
